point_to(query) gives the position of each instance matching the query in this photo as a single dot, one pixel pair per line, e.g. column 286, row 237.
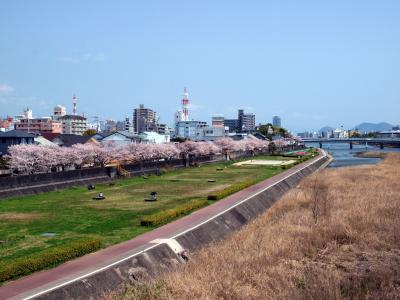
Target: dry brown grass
column 350, row 251
column 17, row 216
column 371, row 154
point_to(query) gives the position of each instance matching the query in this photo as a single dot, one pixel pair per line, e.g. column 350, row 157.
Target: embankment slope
column 335, row 236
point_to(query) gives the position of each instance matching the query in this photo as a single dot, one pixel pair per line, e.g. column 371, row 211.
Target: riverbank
column 370, row 154
column 334, row 236
column 33, row 228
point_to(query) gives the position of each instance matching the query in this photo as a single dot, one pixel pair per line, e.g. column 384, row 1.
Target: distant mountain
column 368, row 127
column 326, row 129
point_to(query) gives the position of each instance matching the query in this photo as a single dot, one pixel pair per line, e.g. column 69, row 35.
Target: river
column 343, row 156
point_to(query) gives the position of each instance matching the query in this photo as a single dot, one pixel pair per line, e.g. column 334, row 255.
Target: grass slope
column 73, row 215
column 336, row 236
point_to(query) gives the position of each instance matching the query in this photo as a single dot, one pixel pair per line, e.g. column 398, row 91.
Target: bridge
column 373, row 141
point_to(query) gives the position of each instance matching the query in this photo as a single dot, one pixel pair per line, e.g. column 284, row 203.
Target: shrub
column 162, row 171
column 47, row 258
column 169, row 214
column 230, row 190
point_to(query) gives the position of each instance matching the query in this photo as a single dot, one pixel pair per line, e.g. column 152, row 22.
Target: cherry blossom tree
column 187, row 148
column 208, row 148
column 280, row 144
column 226, row 145
column 29, row 159
column 167, row 151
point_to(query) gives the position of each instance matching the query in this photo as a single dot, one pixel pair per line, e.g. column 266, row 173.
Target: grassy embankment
column 74, row 217
column 335, row 236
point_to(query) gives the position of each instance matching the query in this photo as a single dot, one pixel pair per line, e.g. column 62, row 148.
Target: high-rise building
column 70, row 124
column 240, row 119
column 144, row 119
column 73, row 124
column 244, row 122
column 248, row 122
column 232, row 124
column 276, row 121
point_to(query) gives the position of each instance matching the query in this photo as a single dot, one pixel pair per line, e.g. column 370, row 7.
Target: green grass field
column 72, row 214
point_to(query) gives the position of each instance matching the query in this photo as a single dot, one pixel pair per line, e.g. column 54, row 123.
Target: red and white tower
column 74, row 103
column 185, row 105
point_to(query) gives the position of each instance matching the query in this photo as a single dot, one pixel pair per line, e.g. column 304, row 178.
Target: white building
column 73, row 124
column 199, row 131
column 389, row 134
column 188, row 129
column 340, row 133
column 121, row 138
column 59, row 111
column 154, row 137
column 211, row 133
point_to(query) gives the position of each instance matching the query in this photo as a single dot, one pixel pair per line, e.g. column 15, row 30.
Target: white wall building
column 59, row 111
column 121, row 138
column 73, row 124
column 154, row 137
column 340, row 133
column 211, row 133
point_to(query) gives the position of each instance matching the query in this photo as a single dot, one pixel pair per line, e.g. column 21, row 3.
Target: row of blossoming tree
column 30, row 159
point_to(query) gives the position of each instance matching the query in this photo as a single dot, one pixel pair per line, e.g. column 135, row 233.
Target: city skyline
column 312, row 64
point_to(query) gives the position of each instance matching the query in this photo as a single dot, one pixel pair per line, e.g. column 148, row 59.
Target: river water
column 343, row 156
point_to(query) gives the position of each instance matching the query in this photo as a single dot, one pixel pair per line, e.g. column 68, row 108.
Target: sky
column 314, row 63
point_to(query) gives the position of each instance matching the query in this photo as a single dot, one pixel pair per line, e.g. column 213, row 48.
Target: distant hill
column 326, row 129
column 368, row 127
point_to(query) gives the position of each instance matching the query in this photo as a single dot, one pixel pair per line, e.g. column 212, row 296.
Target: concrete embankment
column 171, row 244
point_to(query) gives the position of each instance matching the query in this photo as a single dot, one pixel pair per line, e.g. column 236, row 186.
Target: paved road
column 40, row 282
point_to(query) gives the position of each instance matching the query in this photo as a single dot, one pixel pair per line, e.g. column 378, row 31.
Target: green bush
column 47, row 258
column 230, row 190
column 169, row 214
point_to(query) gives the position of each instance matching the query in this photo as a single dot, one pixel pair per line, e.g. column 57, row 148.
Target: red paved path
column 38, row 282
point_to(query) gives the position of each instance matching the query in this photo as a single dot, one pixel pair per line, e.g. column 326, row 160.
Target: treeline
column 31, row 159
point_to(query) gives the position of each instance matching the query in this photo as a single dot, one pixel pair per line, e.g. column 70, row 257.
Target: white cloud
column 96, row 57
column 68, row 59
column 5, row 88
column 23, row 102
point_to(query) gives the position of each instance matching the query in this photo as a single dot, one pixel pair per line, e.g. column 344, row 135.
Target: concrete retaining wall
column 161, row 257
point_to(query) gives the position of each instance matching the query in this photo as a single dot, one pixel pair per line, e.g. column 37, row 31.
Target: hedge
column 231, row 190
column 47, row 258
column 169, row 214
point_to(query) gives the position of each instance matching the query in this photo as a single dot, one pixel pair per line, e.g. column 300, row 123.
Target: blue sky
column 314, row 63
